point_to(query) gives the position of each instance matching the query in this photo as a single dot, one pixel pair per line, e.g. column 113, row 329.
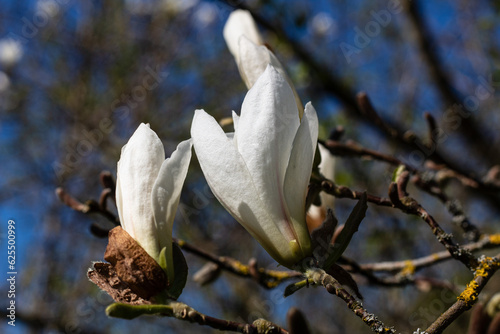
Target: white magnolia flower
column 260, row 174
column 148, row 190
column 245, row 43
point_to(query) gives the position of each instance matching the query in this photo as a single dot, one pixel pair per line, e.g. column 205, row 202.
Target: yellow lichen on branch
column 409, row 268
column 469, row 295
column 485, row 268
column 495, row 239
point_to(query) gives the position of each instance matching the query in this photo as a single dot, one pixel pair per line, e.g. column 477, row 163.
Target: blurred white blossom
column 177, row 6
column 4, row 82
column 139, row 7
column 205, row 14
column 50, row 7
column 10, row 52
column 323, row 24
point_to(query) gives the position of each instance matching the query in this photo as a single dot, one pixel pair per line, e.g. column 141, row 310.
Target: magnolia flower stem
column 184, row 312
column 267, row 278
column 320, row 277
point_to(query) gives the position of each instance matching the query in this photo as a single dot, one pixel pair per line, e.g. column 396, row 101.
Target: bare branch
column 486, row 268
column 267, row 278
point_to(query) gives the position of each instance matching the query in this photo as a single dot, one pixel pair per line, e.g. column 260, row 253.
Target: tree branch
column 486, row 268
column 184, row 312
column 478, row 139
column 267, row 278
column 486, row 242
column 320, row 277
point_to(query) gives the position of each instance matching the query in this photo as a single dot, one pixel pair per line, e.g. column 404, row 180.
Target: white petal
column 268, row 123
column 236, row 119
column 166, row 195
column 240, row 22
column 299, row 172
column 140, row 161
column 327, row 168
column 119, row 206
column 252, row 62
column 231, row 183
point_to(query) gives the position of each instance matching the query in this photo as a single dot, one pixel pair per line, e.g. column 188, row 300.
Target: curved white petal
column 268, row 123
column 236, row 119
column 232, row 184
column 166, row 195
column 327, row 168
column 119, row 205
column 140, row 161
column 252, row 62
column 240, row 22
column 299, row 172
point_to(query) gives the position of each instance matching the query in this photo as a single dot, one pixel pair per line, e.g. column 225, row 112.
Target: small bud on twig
column 207, row 274
column 297, row 323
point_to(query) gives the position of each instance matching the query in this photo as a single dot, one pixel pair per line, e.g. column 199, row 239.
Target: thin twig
column 267, row 278
column 344, row 192
column 320, row 277
column 407, row 204
column 453, row 206
column 351, row 148
column 486, row 242
column 186, row 313
column 428, row 184
column 477, row 138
